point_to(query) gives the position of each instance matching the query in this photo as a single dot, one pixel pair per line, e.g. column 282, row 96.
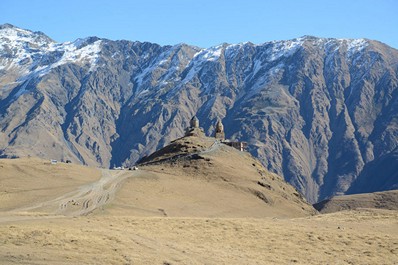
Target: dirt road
column 86, row 198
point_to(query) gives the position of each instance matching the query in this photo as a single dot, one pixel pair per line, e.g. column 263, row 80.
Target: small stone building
column 194, row 129
column 241, row 146
column 219, row 132
column 220, row 135
column 194, row 123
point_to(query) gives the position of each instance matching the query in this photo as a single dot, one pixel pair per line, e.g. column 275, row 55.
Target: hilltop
column 199, row 176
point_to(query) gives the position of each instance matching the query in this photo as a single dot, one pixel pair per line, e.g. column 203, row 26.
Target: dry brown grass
column 355, row 237
column 28, row 181
column 171, row 214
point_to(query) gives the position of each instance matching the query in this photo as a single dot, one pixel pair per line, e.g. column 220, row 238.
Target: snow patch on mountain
column 21, row 91
column 161, row 62
column 284, row 48
column 26, row 50
column 210, row 54
column 14, row 36
column 266, row 79
column 76, row 52
column 203, row 56
column 19, row 47
column 356, row 45
column 257, row 65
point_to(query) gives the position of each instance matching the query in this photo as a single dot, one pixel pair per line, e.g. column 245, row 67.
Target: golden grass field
column 177, row 214
column 354, row 237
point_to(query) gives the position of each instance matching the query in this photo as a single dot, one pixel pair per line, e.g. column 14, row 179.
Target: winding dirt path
column 86, row 198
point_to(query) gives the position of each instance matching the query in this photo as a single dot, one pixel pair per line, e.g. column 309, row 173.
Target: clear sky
column 205, row 23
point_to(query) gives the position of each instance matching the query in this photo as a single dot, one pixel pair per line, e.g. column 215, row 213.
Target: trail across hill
column 86, row 198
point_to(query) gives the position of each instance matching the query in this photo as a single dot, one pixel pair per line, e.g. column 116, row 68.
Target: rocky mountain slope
column 314, row 110
column 379, row 175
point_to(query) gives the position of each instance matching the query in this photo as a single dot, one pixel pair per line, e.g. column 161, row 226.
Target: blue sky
column 205, row 23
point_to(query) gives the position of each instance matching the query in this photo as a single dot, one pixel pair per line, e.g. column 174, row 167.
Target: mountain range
column 321, row 112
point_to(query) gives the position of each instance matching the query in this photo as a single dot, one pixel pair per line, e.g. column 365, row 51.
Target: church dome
column 219, row 126
column 194, row 123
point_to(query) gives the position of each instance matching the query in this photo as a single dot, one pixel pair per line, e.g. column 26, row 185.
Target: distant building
column 194, row 123
column 194, row 129
column 241, row 146
column 219, row 133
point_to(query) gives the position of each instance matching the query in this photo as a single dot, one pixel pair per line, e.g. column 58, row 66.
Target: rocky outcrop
column 314, row 110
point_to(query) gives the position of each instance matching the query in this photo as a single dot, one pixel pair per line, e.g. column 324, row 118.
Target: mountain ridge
column 314, row 110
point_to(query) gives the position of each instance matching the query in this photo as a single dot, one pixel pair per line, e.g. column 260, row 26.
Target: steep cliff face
column 313, row 110
column 380, row 174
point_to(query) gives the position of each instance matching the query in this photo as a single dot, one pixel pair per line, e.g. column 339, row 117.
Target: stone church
column 195, row 130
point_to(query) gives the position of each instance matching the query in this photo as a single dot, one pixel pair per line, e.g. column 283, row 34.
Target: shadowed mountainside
column 379, row 175
column 315, row 110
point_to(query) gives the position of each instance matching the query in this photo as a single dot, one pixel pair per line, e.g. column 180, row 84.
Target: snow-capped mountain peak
column 34, row 53
column 11, row 36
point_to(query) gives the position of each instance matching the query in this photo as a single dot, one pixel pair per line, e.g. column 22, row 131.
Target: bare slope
column 381, row 200
column 191, row 177
column 198, row 176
